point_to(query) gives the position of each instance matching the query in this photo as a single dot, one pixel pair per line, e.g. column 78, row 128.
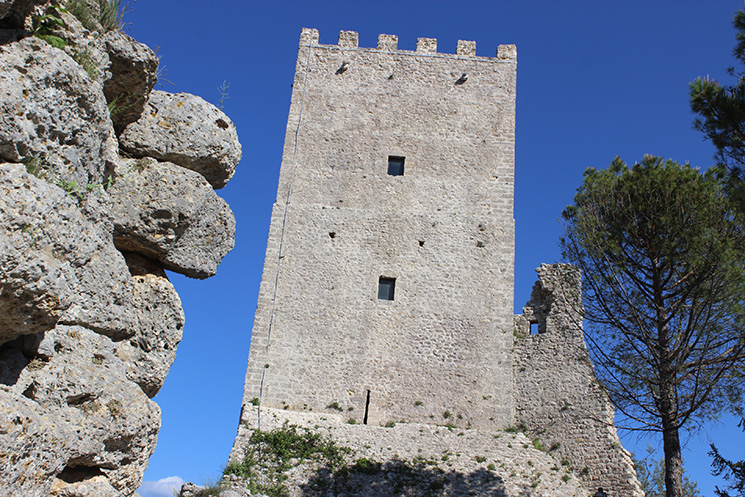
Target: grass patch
column 108, row 14
column 87, row 60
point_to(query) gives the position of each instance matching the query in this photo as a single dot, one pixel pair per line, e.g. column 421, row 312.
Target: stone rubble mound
column 89, row 322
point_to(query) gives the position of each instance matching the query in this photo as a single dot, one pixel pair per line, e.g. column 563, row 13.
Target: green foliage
column 254, row 401
column 120, row 104
column 270, row 455
column 537, row 444
column 39, row 166
column 721, row 118
column 732, row 471
column 45, row 25
column 651, row 476
column 660, row 247
column 366, row 466
column 335, row 406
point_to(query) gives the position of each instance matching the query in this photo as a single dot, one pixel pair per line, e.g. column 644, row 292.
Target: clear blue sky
column 596, row 79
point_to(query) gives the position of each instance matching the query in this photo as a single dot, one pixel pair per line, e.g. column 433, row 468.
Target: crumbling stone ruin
column 556, row 395
column 384, row 317
column 104, row 183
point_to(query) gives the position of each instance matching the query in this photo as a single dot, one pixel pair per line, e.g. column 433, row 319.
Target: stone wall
column 557, row 397
column 322, row 339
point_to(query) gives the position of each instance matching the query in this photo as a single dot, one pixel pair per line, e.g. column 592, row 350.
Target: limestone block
column 53, row 114
column 185, row 130
column 148, row 355
column 387, row 42
column 134, row 69
column 171, row 214
column 83, row 387
column 33, row 445
column 85, row 47
column 557, row 395
column 57, row 262
column 70, row 411
column 97, row 486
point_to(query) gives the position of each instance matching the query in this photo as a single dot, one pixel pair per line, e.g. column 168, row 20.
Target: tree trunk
column 667, row 403
column 671, row 443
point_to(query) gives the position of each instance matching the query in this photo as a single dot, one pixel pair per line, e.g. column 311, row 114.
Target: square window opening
column 396, row 165
column 386, row 288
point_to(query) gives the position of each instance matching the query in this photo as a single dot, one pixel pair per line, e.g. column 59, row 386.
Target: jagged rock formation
column 89, row 323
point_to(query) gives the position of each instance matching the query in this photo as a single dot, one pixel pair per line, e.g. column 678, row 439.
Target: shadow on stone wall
column 401, row 478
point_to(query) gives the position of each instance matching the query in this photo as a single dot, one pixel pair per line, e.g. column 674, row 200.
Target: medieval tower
column 387, row 290
column 388, row 277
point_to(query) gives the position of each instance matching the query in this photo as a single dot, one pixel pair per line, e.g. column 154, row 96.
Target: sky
column 596, row 79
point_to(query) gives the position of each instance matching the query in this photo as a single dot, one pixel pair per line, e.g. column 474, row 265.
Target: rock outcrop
column 53, row 115
column 185, row 130
column 172, row 215
column 89, row 323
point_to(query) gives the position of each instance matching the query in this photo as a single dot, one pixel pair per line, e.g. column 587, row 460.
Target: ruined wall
column 444, row 230
column 557, row 397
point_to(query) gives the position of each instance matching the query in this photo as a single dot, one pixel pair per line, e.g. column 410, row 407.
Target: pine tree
column 721, row 118
column 661, row 251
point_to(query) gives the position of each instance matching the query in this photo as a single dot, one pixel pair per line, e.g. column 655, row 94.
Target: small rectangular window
column 386, row 288
column 395, row 165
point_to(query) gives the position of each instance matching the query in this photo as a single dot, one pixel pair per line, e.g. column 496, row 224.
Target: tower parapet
column 389, row 43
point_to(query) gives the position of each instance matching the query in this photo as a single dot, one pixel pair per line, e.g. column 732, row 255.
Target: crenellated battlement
column 389, row 43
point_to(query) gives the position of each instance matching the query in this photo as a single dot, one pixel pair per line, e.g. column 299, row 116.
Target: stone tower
column 387, row 289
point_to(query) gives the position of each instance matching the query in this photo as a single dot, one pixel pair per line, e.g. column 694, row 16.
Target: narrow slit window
column 395, row 165
column 367, row 408
column 386, row 288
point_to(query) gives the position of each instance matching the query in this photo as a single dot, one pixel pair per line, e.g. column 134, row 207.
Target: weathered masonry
column 387, row 292
column 388, row 280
